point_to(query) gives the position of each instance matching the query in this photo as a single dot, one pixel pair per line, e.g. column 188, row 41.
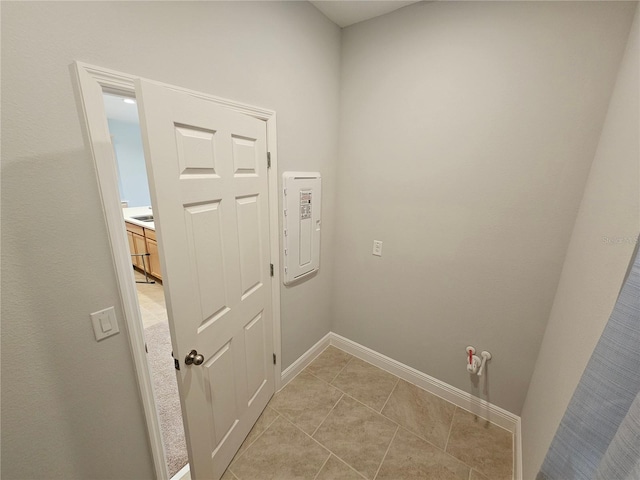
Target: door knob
column 194, row 357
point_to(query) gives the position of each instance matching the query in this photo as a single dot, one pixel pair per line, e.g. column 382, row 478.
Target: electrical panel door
column 301, row 200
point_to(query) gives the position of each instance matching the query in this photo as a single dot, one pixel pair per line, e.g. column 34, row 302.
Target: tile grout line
column 386, row 452
column 345, row 393
column 305, row 369
column 371, row 408
column 327, row 416
column 441, row 450
column 359, row 474
column 463, row 463
column 322, row 446
column 353, row 398
column 322, row 466
column 342, row 369
column 255, row 439
column 446, row 444
column 296, row 376
column 362, row 403
column 389, row 397
column 321, row 379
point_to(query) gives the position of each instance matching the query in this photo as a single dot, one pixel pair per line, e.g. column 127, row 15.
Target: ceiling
column 347, row 12
column 341, row 12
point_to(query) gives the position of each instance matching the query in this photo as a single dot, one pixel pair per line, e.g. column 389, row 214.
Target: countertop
column 129, row 213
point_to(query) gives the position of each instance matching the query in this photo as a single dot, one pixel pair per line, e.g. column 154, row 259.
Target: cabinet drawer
column 134, row 228
column 150, row 234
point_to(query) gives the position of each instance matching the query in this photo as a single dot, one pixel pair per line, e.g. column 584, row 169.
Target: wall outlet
column 377, row 248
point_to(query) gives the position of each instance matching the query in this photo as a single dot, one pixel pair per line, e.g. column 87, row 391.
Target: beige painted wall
column 70, row 407
column 599, row 253
column 467, row 133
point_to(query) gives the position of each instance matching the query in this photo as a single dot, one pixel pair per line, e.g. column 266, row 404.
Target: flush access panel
column 301, row 200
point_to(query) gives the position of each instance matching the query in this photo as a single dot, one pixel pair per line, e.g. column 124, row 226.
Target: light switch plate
column 104, row 323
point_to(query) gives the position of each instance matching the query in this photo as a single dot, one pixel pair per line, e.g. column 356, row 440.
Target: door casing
column 89, row 83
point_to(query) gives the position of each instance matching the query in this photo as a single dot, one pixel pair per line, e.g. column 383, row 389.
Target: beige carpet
column 167, row 399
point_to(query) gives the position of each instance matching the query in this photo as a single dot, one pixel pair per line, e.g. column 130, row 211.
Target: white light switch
column 377, row 248
column 104, row 323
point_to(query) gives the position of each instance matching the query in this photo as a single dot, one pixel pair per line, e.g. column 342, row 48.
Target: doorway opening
column 137, row 216
column 249, row 131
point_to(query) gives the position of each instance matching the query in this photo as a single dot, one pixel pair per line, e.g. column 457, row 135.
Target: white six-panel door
column 207, row 170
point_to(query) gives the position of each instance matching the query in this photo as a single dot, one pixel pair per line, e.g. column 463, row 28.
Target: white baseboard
column 460, row 398
column 183, row 474
column 305, row 359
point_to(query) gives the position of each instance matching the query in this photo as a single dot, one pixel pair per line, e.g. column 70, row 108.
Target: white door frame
column 90, row 82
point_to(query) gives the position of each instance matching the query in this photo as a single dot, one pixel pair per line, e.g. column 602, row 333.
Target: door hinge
column 268, row 159
column 271, row 268
column 274, row 358
column 175, row 361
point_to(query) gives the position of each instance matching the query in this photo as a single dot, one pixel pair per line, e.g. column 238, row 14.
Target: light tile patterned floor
column 151, row 301
column 344, row 419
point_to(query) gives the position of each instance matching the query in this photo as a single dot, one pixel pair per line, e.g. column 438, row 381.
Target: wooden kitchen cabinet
column 143, row 240
column 132, row 249
column 135, row 229
column 134, row 232
column 153, row 259
column 140, row 246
